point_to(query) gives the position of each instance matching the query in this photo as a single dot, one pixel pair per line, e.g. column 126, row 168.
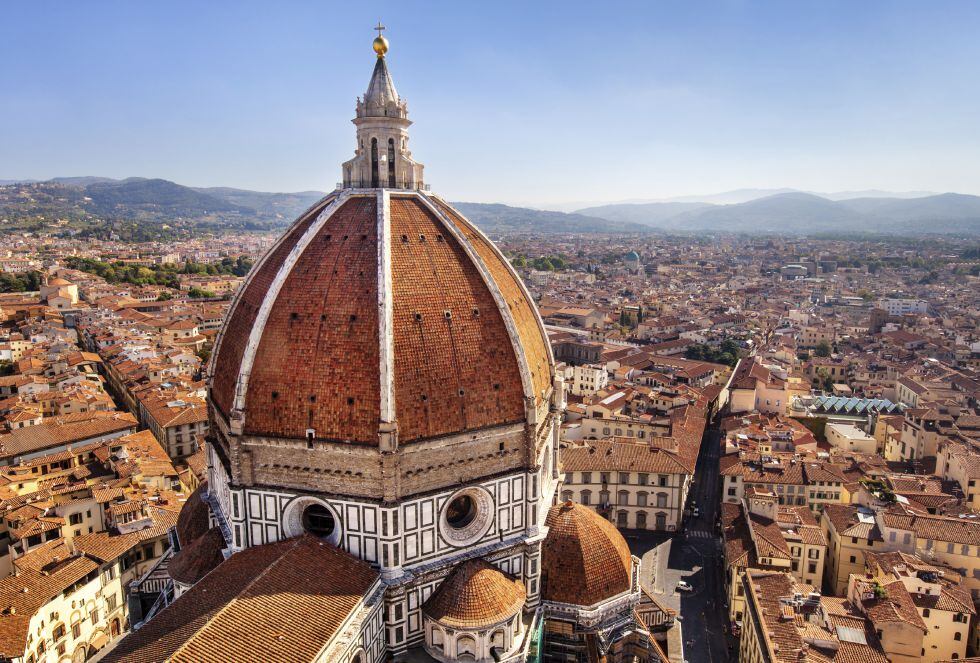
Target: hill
column 803, row 213
column 496, row 218
column 141, row 209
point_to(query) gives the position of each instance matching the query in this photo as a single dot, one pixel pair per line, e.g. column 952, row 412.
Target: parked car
column 696, row 511
column 684, row 586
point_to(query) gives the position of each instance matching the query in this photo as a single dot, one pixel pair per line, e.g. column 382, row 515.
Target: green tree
column 822, row 349
column 200, row 293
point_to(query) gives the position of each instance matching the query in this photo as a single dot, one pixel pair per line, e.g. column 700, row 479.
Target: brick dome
column 379, row 308
column 474, row 595
column 584, row 558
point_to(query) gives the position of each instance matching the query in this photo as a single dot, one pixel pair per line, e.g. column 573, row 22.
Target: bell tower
column 382, row 158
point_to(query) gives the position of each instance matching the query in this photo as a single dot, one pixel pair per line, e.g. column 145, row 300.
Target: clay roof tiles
column 475, row 594
column 584, row 558
column 454, row 363
column 249, row 608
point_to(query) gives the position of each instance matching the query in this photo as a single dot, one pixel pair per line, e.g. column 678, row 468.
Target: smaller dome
column 56, row 281
column 584, row 558
column 193, row 521
column 632, row 256
column 474, row 595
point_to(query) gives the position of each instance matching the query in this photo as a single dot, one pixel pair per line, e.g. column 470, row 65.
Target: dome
column 193, row 521
column 476, row 594
column 197, row 558
column 380, row 307
column 584, row 558
column 632, row 256
column 58, row 282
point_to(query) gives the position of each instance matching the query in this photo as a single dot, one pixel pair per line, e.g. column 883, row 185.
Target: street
column 694, row 556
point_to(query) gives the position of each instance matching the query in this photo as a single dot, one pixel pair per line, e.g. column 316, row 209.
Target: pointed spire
column 381, row 90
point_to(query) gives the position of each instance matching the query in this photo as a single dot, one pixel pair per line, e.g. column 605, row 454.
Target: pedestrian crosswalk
column 700, row 534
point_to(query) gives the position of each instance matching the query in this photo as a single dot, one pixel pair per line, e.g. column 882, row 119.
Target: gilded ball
column 380, row 46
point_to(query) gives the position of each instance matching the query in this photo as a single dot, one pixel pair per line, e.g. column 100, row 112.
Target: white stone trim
column 255, row 270
column 258, row 328
column 498, row 297
column 385, row 307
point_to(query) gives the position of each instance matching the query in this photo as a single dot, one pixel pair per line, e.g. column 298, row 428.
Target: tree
column 199, row 293
column 165, row 297
column 822, row 349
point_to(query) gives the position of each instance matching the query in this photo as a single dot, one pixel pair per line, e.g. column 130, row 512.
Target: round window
column 318, row 521
column 461, row 512
column 466, row 516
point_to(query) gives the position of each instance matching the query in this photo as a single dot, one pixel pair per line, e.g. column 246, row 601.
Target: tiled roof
column 584, row 558
column 609, row 456
column 64, row 430
column 277, row 602
column 475, row 594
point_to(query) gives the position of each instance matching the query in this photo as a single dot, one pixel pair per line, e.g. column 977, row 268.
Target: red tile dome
column 584, row 558
column 475, row 594
column 379, row 307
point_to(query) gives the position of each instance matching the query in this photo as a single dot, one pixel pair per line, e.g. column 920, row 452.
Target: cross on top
column 380, row 28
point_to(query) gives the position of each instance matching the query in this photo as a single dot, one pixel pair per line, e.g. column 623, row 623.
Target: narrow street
column 693, row 556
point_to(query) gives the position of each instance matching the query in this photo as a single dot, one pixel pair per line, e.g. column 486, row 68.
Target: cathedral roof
column 380, row 307
column 474, row 595
column 282, row 601
column 584, row 558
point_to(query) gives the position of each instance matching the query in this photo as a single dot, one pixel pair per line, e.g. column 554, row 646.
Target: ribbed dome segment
column 474, row 595
column 379, row 308
column 584, row 558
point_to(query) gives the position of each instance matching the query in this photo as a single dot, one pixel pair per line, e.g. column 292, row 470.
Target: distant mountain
column 801, row 213
column 279, row 205
column 647, row 214
column 497, row 218
column 137, row 195
column 82, row 181
column 140, row 208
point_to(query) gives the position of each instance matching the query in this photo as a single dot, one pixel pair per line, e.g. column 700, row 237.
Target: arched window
column 497, row 640
column 661, row 499
column 374, row 163
column 466, row 648
column 391, row 162
column 641, row 499
column 437, row 637
column 586, row 497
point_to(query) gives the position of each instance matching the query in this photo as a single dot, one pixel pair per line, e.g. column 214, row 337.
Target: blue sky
column 532, row 103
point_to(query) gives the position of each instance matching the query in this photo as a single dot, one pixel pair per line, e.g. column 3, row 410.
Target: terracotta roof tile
column 584, row 558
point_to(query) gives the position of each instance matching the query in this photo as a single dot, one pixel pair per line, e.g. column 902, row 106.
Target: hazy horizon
column 524, row 105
